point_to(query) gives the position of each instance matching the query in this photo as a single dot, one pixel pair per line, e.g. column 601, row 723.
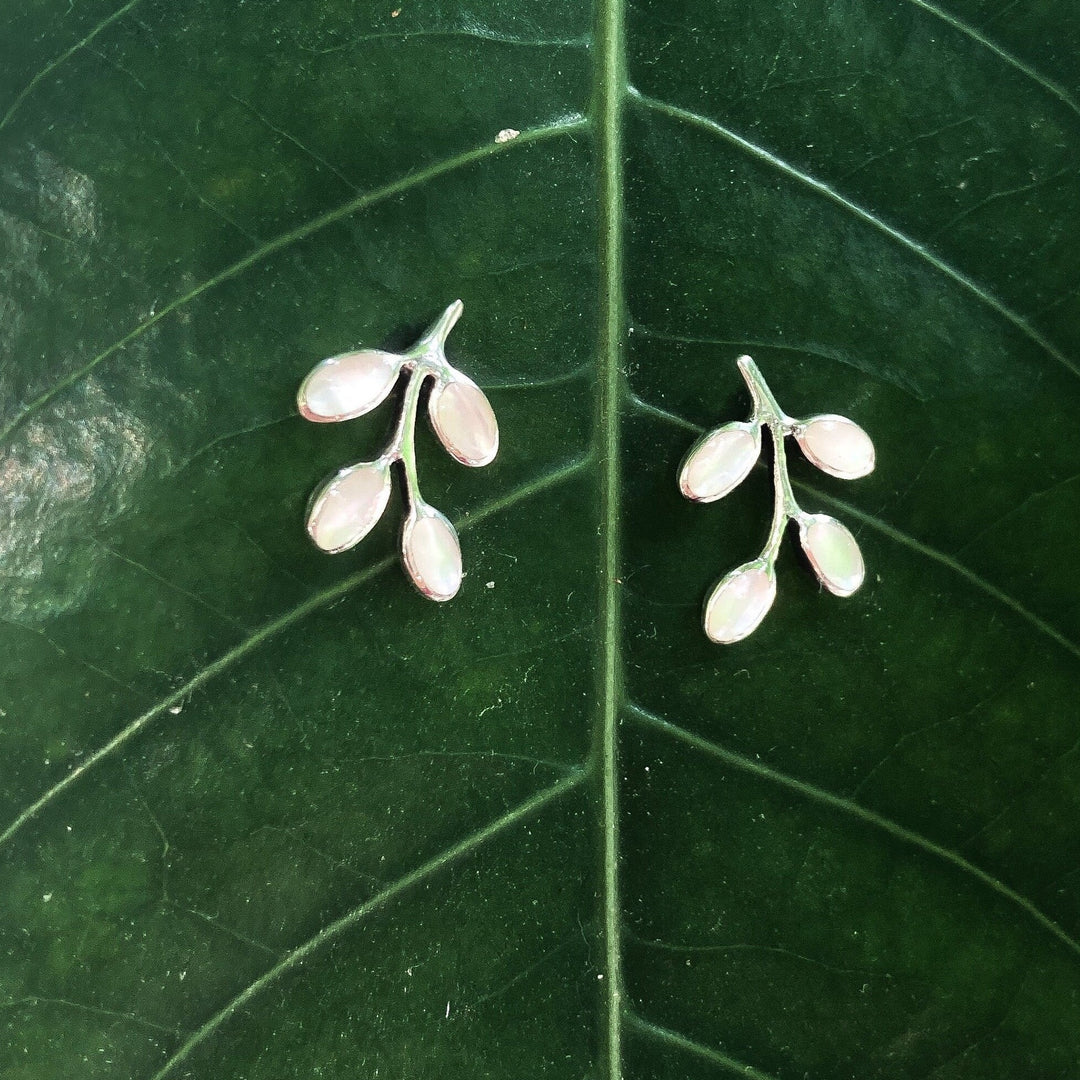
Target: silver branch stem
column 768, row 413
column 427, row 357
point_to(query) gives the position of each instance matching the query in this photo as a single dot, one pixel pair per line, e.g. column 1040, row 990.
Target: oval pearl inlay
column 433, row 555
column 464, row 421
column 739, row 603
column 347, row 386
column 720, row 462
column 348, row 507
column 833, row 553
column 837, row 446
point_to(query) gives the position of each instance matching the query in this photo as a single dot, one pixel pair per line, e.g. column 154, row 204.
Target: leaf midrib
column 609, row 92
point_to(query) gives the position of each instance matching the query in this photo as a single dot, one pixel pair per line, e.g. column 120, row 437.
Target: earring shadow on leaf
column 348, row 506
column 721, row 459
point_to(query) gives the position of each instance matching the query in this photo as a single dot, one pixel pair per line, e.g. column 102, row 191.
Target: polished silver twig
column 721, row 459
column 345, row 509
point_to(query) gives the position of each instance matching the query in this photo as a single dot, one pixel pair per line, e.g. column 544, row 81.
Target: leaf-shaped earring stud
column 347, row 507
column 720, row 460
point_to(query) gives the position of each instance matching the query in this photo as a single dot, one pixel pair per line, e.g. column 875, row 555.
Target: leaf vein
column 693, row 119
column 695, row 949
column 1013, row 61
column 289, row 137
column 807, row 350
column 132, row 1018
column 53, row 64
column 854, row 809
column 287, row 239
column 351, row 918
column 269, row 630
column 716, row 1057
column 477, row 33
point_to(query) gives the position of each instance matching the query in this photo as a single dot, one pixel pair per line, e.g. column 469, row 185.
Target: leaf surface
column 268, row 813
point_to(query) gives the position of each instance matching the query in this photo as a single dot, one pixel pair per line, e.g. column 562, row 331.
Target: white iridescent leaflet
column 833, row 553
column 432, row 554
column 720, row 461
column 739, row 602
column 836, row 445
column 348, row 386
column 347, row 507
column 464, row 420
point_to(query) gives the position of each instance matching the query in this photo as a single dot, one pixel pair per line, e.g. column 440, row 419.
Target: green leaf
column 269, row 813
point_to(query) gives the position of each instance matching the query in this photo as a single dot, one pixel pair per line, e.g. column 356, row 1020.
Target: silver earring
column 346, row 508
column 721, row 459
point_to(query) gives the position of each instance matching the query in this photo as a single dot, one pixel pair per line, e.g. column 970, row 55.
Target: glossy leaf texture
column 268, row 814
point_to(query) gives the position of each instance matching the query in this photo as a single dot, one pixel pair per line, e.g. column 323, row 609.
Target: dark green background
column 268, row 814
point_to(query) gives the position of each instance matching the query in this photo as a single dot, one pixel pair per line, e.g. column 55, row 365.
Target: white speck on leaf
column 506, row 135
